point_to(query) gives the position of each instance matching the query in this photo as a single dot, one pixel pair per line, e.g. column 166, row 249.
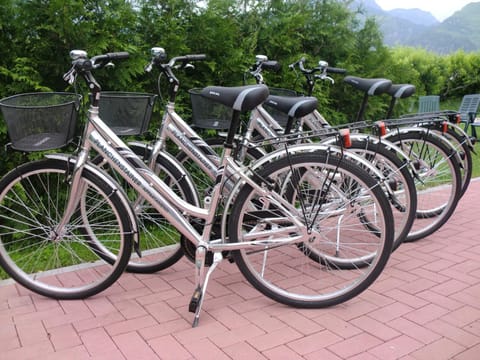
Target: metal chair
column 429, row 103
column 468, row 112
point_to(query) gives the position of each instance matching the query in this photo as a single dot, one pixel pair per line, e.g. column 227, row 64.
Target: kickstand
column 202, row 281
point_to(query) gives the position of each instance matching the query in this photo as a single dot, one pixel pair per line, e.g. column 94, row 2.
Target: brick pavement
column 425, row 305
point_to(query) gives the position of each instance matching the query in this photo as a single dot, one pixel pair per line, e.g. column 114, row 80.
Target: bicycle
column 204, row 158
column 427, row 149
column 295, row 198
column 164, row 251
column 433, row 152
column 389, row 160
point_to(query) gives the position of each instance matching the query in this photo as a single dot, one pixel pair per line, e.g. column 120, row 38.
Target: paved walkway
column 426, row 305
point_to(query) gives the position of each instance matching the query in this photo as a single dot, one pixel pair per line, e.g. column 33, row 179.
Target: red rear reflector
column 382, row 129
column 346, row 140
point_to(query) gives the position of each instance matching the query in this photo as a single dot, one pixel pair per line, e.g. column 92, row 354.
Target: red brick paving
column 425, row 305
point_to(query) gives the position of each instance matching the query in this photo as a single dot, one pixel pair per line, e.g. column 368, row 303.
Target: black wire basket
column 40, row 121
column 126, row 113
column 207, row 114
column 279, row 116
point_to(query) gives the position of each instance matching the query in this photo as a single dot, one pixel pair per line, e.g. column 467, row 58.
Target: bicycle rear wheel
column 160, row 243
column 62, row 266
column 438, row 182
column 401, row 194
column 329, row 195
column 461, row 146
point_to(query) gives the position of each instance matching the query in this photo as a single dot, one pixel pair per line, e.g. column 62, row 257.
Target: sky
column 441, row 9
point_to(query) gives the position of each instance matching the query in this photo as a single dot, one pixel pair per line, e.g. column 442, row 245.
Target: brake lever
column 325, row 77
column 148, row 68
column 70, row 76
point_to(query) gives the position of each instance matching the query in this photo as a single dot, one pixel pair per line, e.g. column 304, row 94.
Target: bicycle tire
column 464, row 151
column 438, row 181
column 290, row 276
column 32, row 199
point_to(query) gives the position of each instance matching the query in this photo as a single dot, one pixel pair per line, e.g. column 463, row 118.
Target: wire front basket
column 207, row 114
column 40, row 121
column 126, row 113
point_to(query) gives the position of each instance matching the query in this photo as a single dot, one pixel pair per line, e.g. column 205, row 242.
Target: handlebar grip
column 334, row 70
column 301, row 66
column 118, row 55
column 195, row 57
column 101, row 60
column 271, row 65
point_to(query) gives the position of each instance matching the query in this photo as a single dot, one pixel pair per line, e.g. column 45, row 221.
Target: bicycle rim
column 338, row 239
column 401, row 193
column 32, row 201
column 438, row 183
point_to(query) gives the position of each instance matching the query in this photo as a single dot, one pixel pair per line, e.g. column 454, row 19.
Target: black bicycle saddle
column 370, row 86
column 241, row 98
column 293, row 106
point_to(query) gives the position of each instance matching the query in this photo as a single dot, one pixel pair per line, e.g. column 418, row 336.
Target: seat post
column 390, row 107
column 232, row 131
column 363, row 106
column 471, row 120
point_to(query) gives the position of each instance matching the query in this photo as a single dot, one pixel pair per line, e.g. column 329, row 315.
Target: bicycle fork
column 77, row 187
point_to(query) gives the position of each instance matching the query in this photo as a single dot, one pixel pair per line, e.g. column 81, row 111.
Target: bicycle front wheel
column 61, row 265
column 332, row 198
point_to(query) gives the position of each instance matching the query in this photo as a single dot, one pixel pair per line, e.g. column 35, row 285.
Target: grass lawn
column 476, row 161
column 454, row 104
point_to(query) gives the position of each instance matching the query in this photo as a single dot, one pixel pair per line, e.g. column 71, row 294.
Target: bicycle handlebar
column 192, row 57
column 334, row 70
column 83, row 65
column 310, row 74
column 111, row 56
column 81, row 61
column 159, row 56
column 262, row 63
column 322, row 67
column 159, row 60
column 271, row 65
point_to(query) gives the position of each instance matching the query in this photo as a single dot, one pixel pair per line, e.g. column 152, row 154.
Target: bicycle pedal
column 195, row 300
column 393, row 184
column 228, row 255
column 208, row 258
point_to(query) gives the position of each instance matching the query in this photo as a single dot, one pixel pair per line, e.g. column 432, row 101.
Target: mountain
column 418, row 28
column 459, row 31
column 415, row 16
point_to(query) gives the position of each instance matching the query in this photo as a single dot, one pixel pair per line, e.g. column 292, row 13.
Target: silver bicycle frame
column 174, row 128
column 155, row 191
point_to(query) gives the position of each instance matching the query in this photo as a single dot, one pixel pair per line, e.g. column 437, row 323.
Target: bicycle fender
column 295, row 149
column 377, row 140
column 299, row 148
column 434, row 134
